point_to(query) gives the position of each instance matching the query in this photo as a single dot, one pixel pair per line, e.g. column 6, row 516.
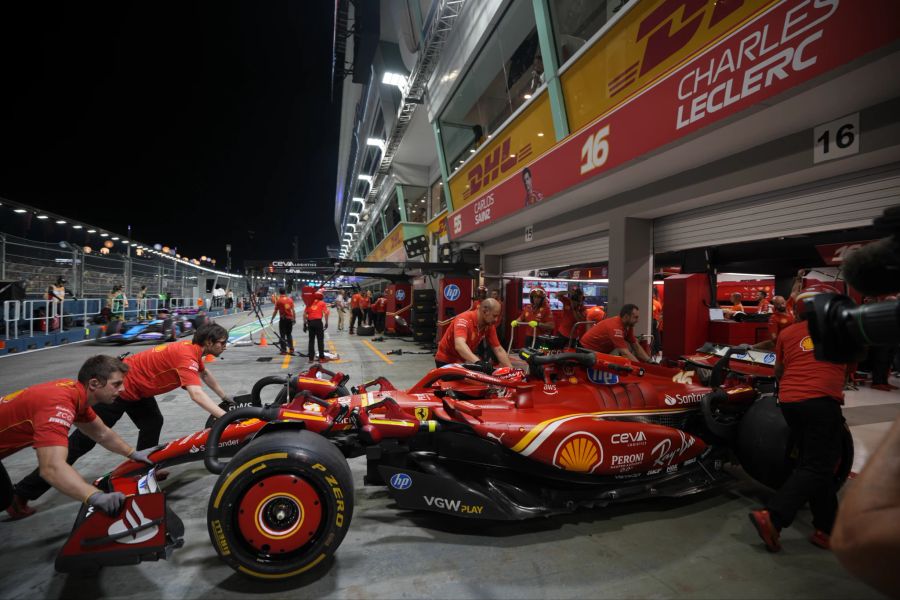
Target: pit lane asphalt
column 698, row 547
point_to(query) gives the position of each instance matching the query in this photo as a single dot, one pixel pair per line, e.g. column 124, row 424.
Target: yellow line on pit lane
column 286, row 361
column 333, row 349
column 378, row 352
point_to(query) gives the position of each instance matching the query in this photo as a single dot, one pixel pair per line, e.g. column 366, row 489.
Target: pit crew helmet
column 803, row 300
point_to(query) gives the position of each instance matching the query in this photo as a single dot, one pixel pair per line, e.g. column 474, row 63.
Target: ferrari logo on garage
column 422, row 413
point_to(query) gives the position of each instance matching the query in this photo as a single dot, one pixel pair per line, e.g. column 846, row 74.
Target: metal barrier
column 37, row 317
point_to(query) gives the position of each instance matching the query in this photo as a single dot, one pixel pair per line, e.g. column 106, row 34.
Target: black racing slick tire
column 282, row 505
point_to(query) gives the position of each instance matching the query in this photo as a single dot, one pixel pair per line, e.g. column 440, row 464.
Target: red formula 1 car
column 577, row 430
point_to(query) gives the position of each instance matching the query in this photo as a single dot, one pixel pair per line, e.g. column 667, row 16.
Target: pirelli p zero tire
column 365, row 330
column 282, row 505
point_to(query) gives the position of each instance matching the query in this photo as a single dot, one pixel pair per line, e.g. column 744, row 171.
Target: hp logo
column 400, row 295
column 401, row 481
column 451, row 292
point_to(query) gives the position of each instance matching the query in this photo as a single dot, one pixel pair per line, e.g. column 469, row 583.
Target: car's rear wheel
column 281, row 506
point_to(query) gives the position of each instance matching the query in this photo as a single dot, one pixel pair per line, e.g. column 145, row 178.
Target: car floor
column 697, row 547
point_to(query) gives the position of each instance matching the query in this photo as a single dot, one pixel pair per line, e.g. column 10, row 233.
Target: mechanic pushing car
column 810, row 394
column 465, row 333
column 616, row 336
column 155, row 371
column 284, row 306
column 41, row 415
column 538, row 310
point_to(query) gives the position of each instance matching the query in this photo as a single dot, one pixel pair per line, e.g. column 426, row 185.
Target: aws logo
column 494, row 165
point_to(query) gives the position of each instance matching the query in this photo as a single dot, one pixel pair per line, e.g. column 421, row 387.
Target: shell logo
column 580, row 452
column 806, row 344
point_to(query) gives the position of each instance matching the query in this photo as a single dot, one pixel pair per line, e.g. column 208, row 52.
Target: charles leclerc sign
column 788, row 44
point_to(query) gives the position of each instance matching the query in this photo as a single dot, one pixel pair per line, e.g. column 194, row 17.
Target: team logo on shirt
column 194, row 366
column 806, row 344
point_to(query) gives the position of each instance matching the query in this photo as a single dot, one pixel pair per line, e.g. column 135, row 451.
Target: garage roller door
column 592, row 248
column 839, row 203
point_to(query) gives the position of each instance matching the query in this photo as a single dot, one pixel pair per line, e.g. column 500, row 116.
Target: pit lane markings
column 286, row 361
column 378, row 352
column 333, row 349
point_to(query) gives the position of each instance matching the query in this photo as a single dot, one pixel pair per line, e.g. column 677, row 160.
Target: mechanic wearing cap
column 538, row 310
column 573, row 310
column 315, row 320
column 595, row 314
column 284, row 306
column 155, row 371
column 355, row 311
column 41, row 415
column 466, row 331
column 810, row 394
column 616, row 336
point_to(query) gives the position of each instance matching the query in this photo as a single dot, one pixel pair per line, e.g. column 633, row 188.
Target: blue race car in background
column 165, row 328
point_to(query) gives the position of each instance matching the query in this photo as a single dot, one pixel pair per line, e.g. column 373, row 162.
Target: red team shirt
column 317, row 310
column 804, row 376
column 608, row 335
column 162, row 369
column 41, row 415
column 465, row 325
column 364, row 302
column 379, row 306
column 778, row 322
column 285, row 307
column 354, row 300
column 543, row 314
column 567, row 319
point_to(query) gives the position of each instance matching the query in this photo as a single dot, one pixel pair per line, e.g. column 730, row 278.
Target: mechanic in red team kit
column 315, row 320
column 463, row 335
column 573, row 310
column 616, row 336
column 356, row 314
column 284, row 306
column 41, row 416
column 538, row 310
column 810, row 393
column 152, row 372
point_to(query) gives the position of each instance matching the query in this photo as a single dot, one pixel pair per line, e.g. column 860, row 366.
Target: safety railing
column 36, row 317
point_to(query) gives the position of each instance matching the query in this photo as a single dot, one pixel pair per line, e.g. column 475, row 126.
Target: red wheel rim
column 279, row 514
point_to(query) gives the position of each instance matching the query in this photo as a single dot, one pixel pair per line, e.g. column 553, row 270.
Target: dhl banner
column 390, row 248
column 787, row 44
column 530, row 135
column 648, row 41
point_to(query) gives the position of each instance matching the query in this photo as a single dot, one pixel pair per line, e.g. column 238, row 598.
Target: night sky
column 199, row 124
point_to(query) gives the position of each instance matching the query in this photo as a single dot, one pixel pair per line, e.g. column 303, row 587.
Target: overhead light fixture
column 526, row 96
column 76, row 226
column 19, row 210
column 61, row 222
column 360, row 200
column 353, row 225
column 366, row 178
column 377, row 143
column 396, row 79
column 115, row 239
column 133, row 244
column 92, row 231
column 123, row 241
column 104, row 235
column 42, row 217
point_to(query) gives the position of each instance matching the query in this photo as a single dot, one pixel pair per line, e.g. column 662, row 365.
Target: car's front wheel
column 281, row 506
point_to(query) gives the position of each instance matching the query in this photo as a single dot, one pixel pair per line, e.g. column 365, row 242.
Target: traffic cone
column 262, row 340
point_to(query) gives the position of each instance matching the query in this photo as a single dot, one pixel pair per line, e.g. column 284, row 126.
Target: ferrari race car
column 178, row 324
column 577, row 430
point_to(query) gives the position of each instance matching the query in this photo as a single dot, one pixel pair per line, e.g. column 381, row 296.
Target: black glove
column 110, row 503
column 305, row 327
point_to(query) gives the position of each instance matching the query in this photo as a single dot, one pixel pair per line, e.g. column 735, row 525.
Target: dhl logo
column 668, row 29
column 494, row 165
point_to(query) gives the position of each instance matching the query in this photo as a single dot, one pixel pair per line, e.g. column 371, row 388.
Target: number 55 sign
column 836, row 139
